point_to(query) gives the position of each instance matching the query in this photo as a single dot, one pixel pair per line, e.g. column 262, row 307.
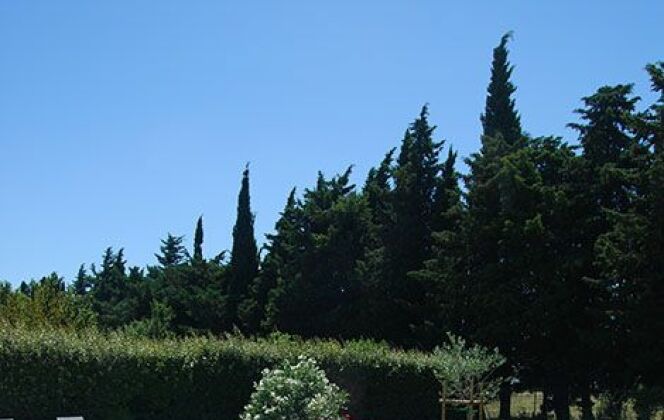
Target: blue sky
column 121, row 121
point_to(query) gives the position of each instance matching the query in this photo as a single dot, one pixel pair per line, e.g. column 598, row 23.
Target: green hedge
column 49, row 373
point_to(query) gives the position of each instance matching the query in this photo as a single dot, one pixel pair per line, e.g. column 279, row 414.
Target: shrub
column 298, row 391
column 47, row 305
column 466, row 372
column 45, row 373
column 461, row 368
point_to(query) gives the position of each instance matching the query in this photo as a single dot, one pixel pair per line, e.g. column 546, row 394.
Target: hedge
column 44, row 374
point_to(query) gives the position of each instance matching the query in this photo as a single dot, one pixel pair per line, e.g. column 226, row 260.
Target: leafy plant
column 467, row 372
column 298, row 391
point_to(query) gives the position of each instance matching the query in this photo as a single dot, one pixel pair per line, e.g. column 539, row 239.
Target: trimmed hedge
column 48, row 373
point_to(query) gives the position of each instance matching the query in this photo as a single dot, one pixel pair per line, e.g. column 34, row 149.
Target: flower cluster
column 298, row 391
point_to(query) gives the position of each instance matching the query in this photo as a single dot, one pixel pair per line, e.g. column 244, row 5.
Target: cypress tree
column 630, row 256
column 258, row 312
column 82, row 284
column 501, row 135
column 377, row 190
column 435, row 311
column 600, row 187
column 111, row 292
column 415, row 178
column 172, row 251
column 500, row 117
column 447, row 197
column 198, row 240
column 408, row 242
column 244, row 254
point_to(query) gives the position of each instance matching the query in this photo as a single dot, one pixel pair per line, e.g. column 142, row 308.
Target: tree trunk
column 561, row 401
column 586, row 403
column 505, row 396
column 544, row 407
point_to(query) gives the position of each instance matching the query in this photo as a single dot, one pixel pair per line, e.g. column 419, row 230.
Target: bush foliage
column 45, row 373
column 295, row 391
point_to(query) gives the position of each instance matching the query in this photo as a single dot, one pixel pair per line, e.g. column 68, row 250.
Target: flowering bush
column 295, row 392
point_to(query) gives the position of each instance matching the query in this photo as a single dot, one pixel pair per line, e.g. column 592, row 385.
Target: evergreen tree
column 500, row 118
column 244, row 254
column 198, row 240
column 281, row 251
column 111, row 293
column 377, row 190
column 408, row 239
column 172, row 251
column 318, row 289
column 447, row 198
column 194, row 295
column 630, row 254
column 448, row 211
column 83, row 283
column 601, row 187
column 501, row 136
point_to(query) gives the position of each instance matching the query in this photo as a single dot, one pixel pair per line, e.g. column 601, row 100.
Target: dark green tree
column 318, row 288
column 408, row 238
column 111, row 294
column 448, row 211
column 172, row 251
column 630, row 255
column 83, row 283
column 601, row 187
column 377, row 191
column 501, row 135
column 281, row 252
column 198, row 240
column 244, row 254
column 500, row 118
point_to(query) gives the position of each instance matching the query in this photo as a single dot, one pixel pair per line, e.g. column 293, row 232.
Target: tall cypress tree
column 447, row 211
column 600, row 186
column 408, row 240
column 627, row 174
column 258, row 313
column 500, row 117
column 198, row 240
column 501, row 135
column 244, row 254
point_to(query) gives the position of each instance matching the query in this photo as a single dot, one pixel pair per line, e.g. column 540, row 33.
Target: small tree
column 466, row 373
column 295, row 392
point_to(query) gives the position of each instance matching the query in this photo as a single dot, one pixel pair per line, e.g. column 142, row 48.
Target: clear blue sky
column 121, row 121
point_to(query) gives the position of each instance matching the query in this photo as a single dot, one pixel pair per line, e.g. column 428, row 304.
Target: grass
column 527, row 405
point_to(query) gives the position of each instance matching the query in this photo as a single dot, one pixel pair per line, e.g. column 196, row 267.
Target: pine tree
column 198, row 240
column 244, row 254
